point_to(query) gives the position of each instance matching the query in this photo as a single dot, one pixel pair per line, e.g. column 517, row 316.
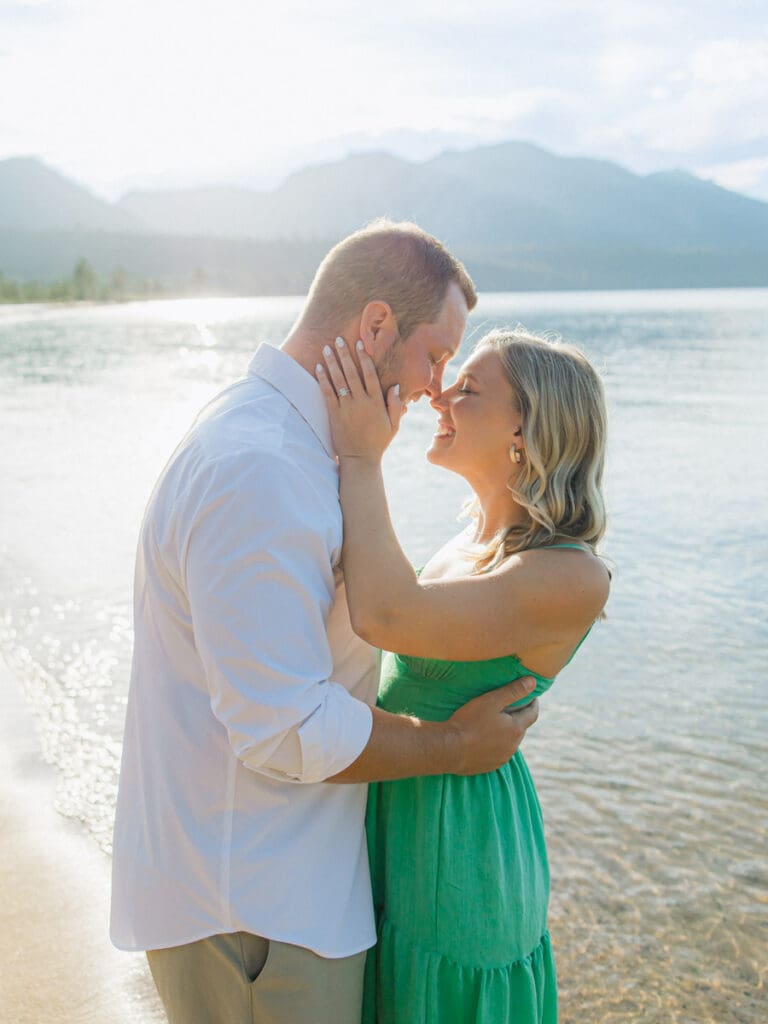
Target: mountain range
column 519, row 216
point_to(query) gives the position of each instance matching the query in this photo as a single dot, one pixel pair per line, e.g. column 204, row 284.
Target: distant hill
column 223, row 266
column 506, row 194
column 520, row 217
column 253, row 267
column 34, row 197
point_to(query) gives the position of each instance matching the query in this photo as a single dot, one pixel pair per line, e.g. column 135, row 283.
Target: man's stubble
column 389, row 365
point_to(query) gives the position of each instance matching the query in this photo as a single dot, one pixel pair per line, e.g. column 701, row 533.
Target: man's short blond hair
column 393, row 262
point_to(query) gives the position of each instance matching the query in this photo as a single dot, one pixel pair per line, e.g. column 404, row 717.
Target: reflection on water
column 649, row 750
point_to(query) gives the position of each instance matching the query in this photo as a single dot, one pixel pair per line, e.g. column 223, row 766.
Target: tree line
column 85, row 285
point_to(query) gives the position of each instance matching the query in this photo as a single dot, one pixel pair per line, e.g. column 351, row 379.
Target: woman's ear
column 518, row 445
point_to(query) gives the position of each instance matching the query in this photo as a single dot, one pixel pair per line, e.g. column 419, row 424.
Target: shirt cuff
column 333, row 736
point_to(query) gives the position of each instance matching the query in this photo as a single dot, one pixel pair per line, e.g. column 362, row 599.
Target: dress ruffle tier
column 419, row 986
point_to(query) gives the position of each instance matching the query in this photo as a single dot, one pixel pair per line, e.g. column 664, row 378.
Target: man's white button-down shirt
column 248, row 688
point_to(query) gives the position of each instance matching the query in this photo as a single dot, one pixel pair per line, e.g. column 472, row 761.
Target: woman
column 459, row 863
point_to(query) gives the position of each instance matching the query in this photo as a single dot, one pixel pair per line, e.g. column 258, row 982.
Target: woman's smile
column 444, row 430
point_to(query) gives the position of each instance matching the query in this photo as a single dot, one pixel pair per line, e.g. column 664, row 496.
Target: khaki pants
column 244, row 979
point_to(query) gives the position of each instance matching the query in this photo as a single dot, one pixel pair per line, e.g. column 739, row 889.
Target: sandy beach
column 58, row 963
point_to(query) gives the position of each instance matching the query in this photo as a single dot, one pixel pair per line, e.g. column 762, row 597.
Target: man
column 239, row 856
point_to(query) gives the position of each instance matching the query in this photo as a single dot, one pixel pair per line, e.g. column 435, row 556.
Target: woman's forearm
column 380, row 581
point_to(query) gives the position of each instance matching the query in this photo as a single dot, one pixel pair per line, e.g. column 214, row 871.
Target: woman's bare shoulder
column 568, row 574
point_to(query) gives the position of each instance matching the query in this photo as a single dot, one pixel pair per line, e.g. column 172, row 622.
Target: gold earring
column 515, row 455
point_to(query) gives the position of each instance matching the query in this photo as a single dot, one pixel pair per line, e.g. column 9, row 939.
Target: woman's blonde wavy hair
column 562, row 406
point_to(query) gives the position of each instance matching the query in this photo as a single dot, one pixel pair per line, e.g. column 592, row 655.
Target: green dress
column 460, row 873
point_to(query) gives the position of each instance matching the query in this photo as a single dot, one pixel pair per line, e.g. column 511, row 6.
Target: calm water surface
column 650, row 753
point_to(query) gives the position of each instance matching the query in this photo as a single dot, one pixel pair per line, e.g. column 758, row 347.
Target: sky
column 153, row 93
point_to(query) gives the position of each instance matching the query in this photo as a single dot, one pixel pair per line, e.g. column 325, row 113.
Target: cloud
column 661, row 107
column 728, row 63
column 749, row 176
column 109, row 90
column 36, row 13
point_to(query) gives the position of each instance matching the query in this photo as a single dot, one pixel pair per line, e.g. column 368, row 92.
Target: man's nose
column 437, row 401
column 435, row 387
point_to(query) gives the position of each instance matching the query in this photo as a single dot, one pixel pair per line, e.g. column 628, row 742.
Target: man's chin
column 386, row 387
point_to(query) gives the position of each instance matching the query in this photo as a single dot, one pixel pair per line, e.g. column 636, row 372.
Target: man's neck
column 305, row 348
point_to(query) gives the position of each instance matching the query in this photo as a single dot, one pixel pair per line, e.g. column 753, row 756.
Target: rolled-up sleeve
column 257, row 571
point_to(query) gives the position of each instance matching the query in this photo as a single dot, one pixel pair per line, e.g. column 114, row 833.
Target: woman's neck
column 497, row 512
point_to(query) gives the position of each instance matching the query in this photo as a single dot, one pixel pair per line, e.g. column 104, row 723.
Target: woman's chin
column 437, row 452
column 434, row 454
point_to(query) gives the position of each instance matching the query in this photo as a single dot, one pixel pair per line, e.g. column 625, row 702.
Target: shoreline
column 8, row 307
column 58, row 962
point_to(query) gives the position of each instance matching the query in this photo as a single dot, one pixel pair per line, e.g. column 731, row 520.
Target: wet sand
column 57, row 960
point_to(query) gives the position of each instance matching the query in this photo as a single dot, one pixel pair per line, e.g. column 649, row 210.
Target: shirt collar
column 299, row 387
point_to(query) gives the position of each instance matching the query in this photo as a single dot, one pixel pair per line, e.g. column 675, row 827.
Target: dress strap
column 578, row 547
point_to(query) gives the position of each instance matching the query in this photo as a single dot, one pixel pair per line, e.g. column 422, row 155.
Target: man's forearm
column 477, row 738
column 401, row 747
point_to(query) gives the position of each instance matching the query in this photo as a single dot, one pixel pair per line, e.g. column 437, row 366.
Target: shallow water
column 650, row 752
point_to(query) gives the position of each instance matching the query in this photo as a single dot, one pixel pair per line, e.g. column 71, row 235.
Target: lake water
column 650, row 753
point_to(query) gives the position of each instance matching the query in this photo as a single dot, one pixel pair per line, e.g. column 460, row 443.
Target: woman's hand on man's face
column 363, row 419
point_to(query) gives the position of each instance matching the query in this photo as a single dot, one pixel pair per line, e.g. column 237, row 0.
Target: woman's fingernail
column 397, row 390
column 360, row 345
column 327, row 351
column 339, row 343
column 319, row 368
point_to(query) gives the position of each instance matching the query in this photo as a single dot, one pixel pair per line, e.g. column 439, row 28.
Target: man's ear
column 377, row 327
